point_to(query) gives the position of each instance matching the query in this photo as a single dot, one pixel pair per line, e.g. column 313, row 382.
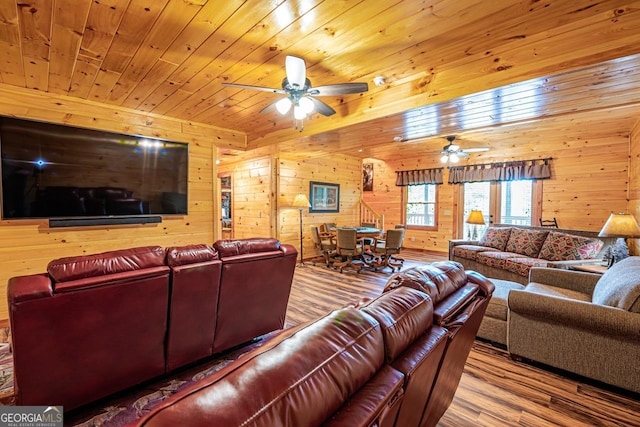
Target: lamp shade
column 301, row 201
column 620, row 225
column 475, row 217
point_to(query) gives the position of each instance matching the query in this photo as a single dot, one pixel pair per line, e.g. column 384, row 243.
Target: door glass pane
column 515, row 206
column 476, row 197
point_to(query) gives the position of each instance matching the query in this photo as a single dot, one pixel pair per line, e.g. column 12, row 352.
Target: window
column 505, row 202
column 421, row 205
column 516, row 202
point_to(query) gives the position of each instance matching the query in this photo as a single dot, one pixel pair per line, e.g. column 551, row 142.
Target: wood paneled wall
column 634, row 182
column 294, row 178
column 387, row 199
column 264, row 189
column 253, row 200
column 589, row 181
column 26, row 246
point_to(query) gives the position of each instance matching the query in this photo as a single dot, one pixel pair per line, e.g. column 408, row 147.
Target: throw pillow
column 566, row 247
column 495, row 237
column 619, row 286
column 526, row 242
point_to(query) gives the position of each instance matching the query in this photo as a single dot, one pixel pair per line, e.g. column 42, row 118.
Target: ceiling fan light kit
column 452, row 153
column 300, row 94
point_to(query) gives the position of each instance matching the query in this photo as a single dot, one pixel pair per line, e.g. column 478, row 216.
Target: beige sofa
column 580, row 322
column 508, row 252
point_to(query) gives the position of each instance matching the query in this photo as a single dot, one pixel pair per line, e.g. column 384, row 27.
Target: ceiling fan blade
column 269, row 108
column 322, row 107
column 476, row 150
column 296, row 71
column 339, row 89
column 260, row 88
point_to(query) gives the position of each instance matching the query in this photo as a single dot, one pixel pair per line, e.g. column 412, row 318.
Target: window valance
column 419, row 176
column 505, row 171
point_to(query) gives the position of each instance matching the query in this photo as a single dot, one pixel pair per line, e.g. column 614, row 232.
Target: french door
column 506, row 202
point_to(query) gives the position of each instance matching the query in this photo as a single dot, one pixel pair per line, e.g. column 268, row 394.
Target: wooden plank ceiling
column 465, row 67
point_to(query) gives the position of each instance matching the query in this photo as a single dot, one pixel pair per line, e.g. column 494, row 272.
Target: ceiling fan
column 452, row 152
column 300, row 94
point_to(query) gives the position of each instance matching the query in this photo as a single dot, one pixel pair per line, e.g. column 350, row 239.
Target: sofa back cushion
column 190, row 254
column 526, row 241
column 102, row 264
column 619, row 286
column 404, row 314
column 438, row 279
column 495, row 237
column 565, row 247
column 228, row 248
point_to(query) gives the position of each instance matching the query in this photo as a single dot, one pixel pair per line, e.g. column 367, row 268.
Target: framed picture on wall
column 324, row 197
column 367, row 177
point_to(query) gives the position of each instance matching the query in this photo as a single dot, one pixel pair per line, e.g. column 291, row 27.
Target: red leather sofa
column 460, row 300
column 96, row 324
column 382, row 363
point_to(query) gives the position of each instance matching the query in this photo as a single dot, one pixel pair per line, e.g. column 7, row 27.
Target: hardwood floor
column 494, row 390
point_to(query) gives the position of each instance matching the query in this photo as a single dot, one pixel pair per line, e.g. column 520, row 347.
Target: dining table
column 362, row 232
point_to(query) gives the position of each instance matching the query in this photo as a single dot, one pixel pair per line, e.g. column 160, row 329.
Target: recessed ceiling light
column 397, row 138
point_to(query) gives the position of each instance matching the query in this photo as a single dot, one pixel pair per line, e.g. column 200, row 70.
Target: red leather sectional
column 394, row 361
column 96, row 324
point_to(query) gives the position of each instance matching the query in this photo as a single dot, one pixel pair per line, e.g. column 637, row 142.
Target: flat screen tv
column 57, row 171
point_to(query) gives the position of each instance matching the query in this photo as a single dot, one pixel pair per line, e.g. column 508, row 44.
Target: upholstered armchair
column 581, row 322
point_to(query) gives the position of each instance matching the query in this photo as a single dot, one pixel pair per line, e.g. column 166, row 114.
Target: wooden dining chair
column 349, row 249
column 551, row 223
column 328, row 227
column 325, row 243
column 385, row 251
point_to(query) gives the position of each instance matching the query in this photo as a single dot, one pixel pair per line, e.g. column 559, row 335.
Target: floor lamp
column 301, row 201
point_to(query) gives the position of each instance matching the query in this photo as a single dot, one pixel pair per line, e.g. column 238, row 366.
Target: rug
column 122, row 408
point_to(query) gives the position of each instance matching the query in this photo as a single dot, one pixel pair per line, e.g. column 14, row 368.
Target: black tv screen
column 57, row 171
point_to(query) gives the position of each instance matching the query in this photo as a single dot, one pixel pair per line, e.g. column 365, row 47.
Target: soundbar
column 109, row 220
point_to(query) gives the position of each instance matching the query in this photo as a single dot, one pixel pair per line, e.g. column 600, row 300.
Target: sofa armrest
column 456, row 242
column 600, row 319
column 566, row 279
column 25, row 288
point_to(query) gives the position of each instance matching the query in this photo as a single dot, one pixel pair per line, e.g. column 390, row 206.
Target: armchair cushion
column 554, row 291
column 619, row 286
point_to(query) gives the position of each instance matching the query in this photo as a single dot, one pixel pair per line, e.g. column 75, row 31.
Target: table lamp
column 622, row 226
column 301, row 201
column 475, row 218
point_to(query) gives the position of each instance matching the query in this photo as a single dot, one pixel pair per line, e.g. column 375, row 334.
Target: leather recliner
column 92, row 325
column 460, row 300
column 252, row 300
column 193, row 303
